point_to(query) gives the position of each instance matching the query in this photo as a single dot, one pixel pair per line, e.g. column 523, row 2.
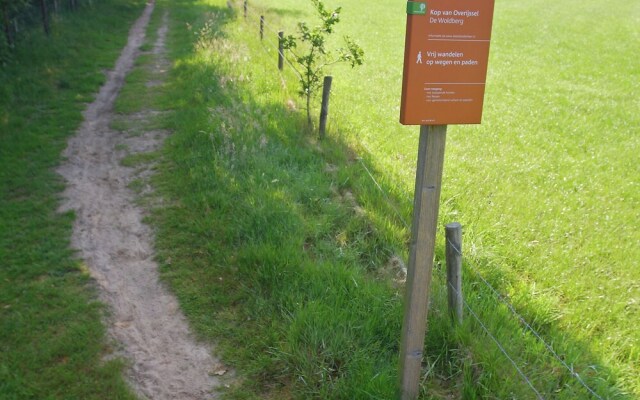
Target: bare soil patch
column 145, row 320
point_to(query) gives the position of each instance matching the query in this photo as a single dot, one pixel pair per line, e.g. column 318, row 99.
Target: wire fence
column 269, row 44
column 500, row 346
column 522, row 320
column 275, row 33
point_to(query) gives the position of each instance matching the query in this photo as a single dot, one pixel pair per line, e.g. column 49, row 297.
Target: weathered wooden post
column 421, row 252
column 324, row 109
column 453, row 233
column 280, row 50
column 261, row 27
column 245, row 9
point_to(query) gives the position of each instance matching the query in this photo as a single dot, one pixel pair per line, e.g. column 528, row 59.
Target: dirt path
column 145, row 320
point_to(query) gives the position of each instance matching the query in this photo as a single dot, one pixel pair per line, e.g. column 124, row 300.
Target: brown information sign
column 445, row 61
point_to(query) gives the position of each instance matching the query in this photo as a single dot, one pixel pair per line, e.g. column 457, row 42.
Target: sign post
column 445, row 68
column 426, row 203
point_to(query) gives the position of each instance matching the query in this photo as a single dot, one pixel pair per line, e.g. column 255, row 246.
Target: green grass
column 283, row 251
column 546, row 188
column 136, row 95
column 268, row 256
column 275, row 243
column 51, row 337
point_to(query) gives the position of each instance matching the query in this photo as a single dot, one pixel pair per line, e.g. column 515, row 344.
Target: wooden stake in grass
column 324, row 109
column 261, row 27
column 453, row 233
column 421, row 251
column 280, row 50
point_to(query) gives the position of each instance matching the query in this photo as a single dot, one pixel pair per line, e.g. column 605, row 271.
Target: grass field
column 546, row 189
column 282, row 249
column 52, row 340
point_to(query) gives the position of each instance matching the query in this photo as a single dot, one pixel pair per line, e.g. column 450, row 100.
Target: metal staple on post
column 453, row 233
column 280, row 50
column 324, row 110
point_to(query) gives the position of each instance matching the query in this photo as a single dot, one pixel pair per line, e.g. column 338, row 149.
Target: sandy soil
column 145, row 320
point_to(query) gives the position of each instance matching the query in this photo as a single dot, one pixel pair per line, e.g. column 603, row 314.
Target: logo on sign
column 416, row 8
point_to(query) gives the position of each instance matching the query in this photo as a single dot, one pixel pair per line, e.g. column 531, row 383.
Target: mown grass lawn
column 547, row 187
column 284, row 251
column 287, row 237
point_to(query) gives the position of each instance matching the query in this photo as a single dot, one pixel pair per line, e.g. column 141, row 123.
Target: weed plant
column 308, row 51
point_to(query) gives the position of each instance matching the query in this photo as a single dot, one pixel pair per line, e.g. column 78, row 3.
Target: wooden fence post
column 421, row 252
column 453, row 233
column 324, row 109
column 261, row 27
column 280, row 50
column 45, row 17
column 245, row 9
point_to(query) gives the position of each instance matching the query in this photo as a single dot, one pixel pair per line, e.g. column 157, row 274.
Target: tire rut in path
column 145, row 320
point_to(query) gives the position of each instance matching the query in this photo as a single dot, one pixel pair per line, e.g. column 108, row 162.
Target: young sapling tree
column 308, row 54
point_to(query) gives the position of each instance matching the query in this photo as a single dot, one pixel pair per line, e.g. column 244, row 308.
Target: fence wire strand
column 267, row 43
column 277, row 48
column 499, row 345
column 360, row 159
column 264, row 22
column 510, row 306
column 389, row 202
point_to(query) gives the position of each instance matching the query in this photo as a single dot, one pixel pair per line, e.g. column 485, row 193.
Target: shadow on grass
column 280, row 248
column 52, row 340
